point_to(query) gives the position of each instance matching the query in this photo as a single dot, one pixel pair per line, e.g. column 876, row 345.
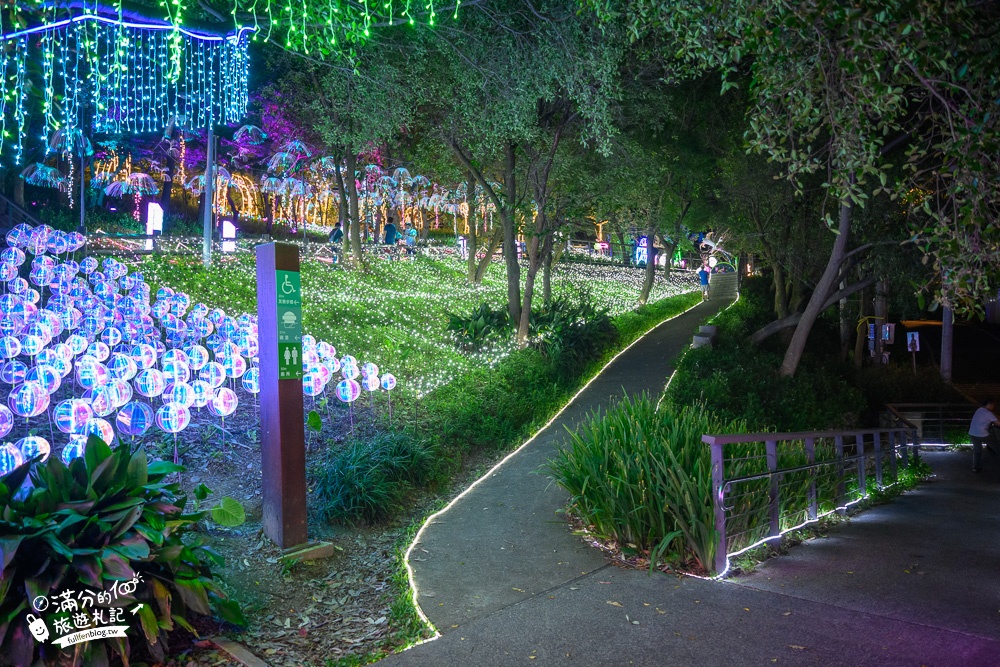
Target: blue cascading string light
column 140, row 77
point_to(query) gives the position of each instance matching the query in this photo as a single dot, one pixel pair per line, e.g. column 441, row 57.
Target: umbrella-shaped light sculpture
column 250, row 134
column 43, row 176
column 136, row 184
column 297, row 148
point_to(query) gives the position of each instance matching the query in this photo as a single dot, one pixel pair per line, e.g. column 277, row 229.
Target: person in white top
column 979, row 431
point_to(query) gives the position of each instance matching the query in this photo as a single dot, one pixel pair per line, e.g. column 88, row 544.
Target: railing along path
column 767, row 484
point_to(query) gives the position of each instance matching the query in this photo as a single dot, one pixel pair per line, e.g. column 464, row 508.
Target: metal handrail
column 932, row 418
column 12, row 215
column 857, row 448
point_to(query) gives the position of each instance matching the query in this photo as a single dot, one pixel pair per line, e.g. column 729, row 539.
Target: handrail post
column 859, row 441
column 877, row 446
column 903, row 442
column 718, row 500
column 811, row 460
column 839, row 448
column 892, row 457
column 916, row 447
column 771, row 449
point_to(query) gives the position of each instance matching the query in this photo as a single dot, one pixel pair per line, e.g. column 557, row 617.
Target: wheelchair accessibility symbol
column 286, row 286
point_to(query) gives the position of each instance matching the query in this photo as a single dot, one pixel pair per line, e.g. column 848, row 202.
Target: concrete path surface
column 506, row 583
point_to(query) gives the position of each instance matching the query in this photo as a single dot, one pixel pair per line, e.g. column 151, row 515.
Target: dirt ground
column 312, row 612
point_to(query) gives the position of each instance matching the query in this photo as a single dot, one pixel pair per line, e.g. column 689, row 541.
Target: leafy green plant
column 106, row 518
column 738, row 380
column 366, row 480
column 573, row 332
column 485, row 323
column 641, row 476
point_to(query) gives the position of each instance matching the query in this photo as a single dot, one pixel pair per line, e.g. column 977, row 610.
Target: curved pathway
column 504, row 540
column 505, row 582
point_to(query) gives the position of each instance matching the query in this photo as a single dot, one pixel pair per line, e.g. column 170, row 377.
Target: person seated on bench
column 390, row 233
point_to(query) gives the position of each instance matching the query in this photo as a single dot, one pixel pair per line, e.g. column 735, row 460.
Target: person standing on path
column 703, row 276
column 979, row 431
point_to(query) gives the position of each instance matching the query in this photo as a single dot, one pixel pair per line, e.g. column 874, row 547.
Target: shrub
column 472, row 332
column 738, row 380
column 573, row 333
column 366, row 480
column 642, row 477
column 106, row 518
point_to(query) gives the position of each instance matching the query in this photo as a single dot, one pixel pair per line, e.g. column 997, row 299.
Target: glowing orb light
column 251, row 381
column 28, row 400
column 99, row 428
column 173, row 418
column 71, row 415
column 348, row 390
column 223, row 403
column 74, row 449
column 33, row 446
column 10, row 458
column 6, row 421
column 134, row 419
column 150, row 382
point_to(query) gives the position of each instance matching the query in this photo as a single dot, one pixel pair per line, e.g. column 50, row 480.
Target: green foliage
column 635, row 323
column 574, row 332
column 365, row 481
column 642, row 477
column 897, row 383
column 493, row 408
column 314, row 421
column 737, row 380
column 485, row 323
column 229, row 513
column 107, row 517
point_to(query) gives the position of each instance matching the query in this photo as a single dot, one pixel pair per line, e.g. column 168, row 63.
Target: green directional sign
column 289, row 293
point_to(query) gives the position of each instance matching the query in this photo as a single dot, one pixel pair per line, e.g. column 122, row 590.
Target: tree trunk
column 668, row 250
column 491, row 249
column 509, row 225
column 352, row 190
column 548, row 253
column 798, row 343
column 881, row 316
column 510, row 238
column 168, row 183
column 425, row 224
column 626, row 255
column 472, row 244
column 845, row 327
column 780, row 292
column 19, row 191
column 780, row 325
column 534, row 262
column 650, row 275
column 947, row 340
column 859, row 341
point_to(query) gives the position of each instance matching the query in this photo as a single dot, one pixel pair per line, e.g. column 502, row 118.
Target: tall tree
column 838, row 86
column 353, row 105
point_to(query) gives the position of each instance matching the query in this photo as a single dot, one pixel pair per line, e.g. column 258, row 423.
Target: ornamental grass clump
column 641, row 477
column 366, row 481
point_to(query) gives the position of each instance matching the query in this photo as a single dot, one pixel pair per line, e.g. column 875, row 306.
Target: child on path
column 703, row 276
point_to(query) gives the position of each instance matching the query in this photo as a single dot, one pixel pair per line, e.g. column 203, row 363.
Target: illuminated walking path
column 505, row 582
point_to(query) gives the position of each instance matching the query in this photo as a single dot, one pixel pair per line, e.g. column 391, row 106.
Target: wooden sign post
column 279, row 320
